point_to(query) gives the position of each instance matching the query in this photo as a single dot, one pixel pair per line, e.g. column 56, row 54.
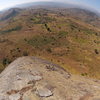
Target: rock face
column 43, row 92
column 31, row 78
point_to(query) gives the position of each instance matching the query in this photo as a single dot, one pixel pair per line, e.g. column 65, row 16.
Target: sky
column 88, row 3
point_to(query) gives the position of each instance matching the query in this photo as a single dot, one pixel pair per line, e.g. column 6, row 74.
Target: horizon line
column 74, row 4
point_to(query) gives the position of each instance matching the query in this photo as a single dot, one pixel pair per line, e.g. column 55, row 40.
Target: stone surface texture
column 32, row 78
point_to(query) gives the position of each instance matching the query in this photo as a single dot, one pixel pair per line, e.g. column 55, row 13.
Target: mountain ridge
column 54, row 4
column 9, row 13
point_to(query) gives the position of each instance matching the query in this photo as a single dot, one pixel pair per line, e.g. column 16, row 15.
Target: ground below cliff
column 31, row 78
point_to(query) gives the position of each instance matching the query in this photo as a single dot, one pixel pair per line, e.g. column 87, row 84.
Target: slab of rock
column 15, row 96
column 2, row 97
column 30, row 78
column 43, row 92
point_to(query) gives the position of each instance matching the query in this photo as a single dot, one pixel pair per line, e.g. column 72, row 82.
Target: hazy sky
column 91, row 3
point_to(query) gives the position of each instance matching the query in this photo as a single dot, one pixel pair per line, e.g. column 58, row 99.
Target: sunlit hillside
column 69, row 37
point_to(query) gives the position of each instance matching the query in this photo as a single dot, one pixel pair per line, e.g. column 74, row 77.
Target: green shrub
column 84, row 74
column 96, row 51
column 48, row 29
column 39, row 41
column 6, row 61
column 49, row 50
column 62, row 34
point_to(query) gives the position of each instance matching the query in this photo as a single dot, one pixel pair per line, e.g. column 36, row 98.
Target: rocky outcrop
column 31, row 78
column 44, row 92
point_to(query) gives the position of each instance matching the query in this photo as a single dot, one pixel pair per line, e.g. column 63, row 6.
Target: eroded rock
column 31, row 78
column 14, row 96
column 44, row 92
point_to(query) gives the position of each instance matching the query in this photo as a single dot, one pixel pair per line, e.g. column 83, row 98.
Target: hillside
column 31, row 78
column 9, row 14
column 65, row 36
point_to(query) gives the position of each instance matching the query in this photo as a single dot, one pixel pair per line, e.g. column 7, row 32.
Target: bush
column 25, row 39
column 6, row 61
column 49, row 50
column 25, row 53
column 48, row 29
column 17, row 28
column 62, row 34
column 40, row 41
column 96, row 51
column 84, row 74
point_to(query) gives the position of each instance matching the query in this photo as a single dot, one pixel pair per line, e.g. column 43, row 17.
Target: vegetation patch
column 80, row 40
column 96, row 51
column 62, row 34
column 48, row 29
column 17, row 28
column 84, row 74
column 6, row 61
column 41, row 19
column 38, row 41
column 89, row 31
column 49, row 50
column 1, row 67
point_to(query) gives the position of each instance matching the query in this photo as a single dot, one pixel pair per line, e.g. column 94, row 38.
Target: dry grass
column 69, row 42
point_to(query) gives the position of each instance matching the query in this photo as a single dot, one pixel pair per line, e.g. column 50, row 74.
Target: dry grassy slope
column 31, row 78
column 69, row 42
column 83, row 15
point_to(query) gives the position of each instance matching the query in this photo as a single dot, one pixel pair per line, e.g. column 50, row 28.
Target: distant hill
column 55, row 4
column 47, row 4
column 80, row 13
column 83, row 15
column 9, row 13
